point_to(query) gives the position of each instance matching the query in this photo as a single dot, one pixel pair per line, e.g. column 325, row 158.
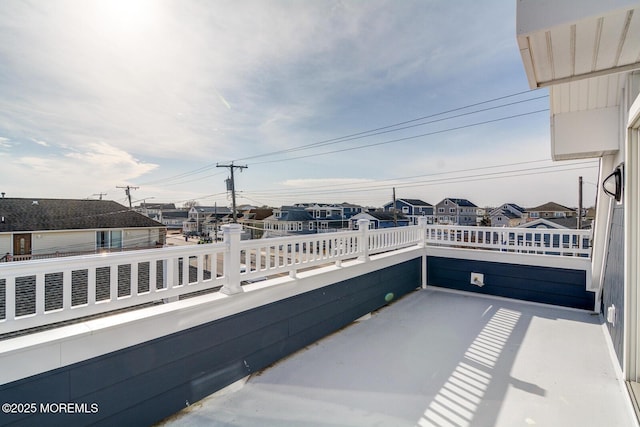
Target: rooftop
column 495, row 363
column 68, row 214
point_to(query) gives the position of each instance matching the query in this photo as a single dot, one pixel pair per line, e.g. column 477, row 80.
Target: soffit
column 564, row 41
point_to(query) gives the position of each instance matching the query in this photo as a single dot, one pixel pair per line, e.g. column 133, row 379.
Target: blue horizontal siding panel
column 549, row 285
column 143, row 384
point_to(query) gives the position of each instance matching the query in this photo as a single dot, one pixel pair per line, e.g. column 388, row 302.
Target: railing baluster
column 39, row 294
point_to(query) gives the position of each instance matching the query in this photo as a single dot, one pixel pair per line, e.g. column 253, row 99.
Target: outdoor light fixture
column 612, row 185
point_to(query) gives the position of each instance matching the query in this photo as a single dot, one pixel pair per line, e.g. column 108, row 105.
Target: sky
column 323, row 101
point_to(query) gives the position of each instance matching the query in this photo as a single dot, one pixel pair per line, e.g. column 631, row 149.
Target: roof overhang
column 563, row 41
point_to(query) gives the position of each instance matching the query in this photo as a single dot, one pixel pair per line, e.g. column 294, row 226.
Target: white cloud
column 40, row 142
column 5, row 142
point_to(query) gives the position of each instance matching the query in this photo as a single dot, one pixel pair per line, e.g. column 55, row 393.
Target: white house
column 40, row 228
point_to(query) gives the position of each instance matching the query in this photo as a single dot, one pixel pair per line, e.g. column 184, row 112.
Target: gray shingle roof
column 550, row 207
column 463, row 202
column 416, row 202
column 67, row 214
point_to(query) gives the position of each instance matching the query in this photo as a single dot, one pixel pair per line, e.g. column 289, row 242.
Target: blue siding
column 613, row 286
column 143, row 384
column 547, row 285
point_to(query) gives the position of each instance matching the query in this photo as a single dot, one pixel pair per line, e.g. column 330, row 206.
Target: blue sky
column 151, row 93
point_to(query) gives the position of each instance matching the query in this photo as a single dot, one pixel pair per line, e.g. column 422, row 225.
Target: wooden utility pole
column 395, row 212
column 580, row 203
column 127, row 191
column 232, row 167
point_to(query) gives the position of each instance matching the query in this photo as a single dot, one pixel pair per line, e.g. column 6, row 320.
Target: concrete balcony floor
column 437, row 358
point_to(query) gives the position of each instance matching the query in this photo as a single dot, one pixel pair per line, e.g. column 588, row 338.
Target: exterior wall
column 142, row 384
column 613, row 283
column 140, row 238
column 549, row 285
column 467, row 215
column 5, row 244
column 63, row 242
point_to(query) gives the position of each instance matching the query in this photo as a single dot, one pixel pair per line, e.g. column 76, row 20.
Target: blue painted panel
column 563, row 287
column 613, row 284
column 143, row 384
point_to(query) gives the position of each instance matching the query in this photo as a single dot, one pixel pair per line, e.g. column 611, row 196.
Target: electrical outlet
column 477, row 279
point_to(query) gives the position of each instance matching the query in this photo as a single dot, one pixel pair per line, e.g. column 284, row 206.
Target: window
column 534, row 215
column 559, row 214
column 452, row 210
column 109, row 239
column 440, row 210
column 405, row 209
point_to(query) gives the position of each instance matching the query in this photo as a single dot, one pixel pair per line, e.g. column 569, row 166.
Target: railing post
column 231, row 263
column 422, row 243
column 422, row 223
column 363, row 226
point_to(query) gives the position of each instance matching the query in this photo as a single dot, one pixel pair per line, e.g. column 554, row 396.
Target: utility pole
column 127, row 191
column 232, row 168
column 395, row 212
column 580, row 203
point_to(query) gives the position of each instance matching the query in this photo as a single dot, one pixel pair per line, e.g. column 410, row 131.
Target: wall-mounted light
column 612, row 185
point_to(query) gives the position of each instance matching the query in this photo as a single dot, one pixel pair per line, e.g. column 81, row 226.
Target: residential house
column 508, row 215
column 331, row 211
column 380, row 219
column 173, row 218
column 456, row 212
column 550, row 210
column 199, row 215
column 289, row 220
column 412, row 209
column 560, row 223
column 40, row 228
column 253, row 220
column 154, row 210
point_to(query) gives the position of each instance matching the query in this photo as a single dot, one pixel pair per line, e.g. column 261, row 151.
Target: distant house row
column 32, row 228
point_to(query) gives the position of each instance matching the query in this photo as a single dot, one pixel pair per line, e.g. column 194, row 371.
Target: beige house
column 43, row 228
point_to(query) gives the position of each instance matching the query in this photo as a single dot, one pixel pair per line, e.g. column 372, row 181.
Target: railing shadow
column 432, row 359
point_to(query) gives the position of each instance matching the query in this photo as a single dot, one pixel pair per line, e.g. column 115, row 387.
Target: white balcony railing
column 522, row 240
column 41, row 292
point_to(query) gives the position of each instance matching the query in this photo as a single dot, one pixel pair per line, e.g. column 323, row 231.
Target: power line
column 385, row 130
column 453, row 180
column 212, row 165
column 407, row 138
column 404, row 178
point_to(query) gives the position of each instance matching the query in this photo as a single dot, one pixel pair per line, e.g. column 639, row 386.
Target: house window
column 405, row 209
column 440, row 210
column 109, row 239
column 446, row 202
column 452, row 210
column 534, row 215
column 559, row 214
column 310, row 226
